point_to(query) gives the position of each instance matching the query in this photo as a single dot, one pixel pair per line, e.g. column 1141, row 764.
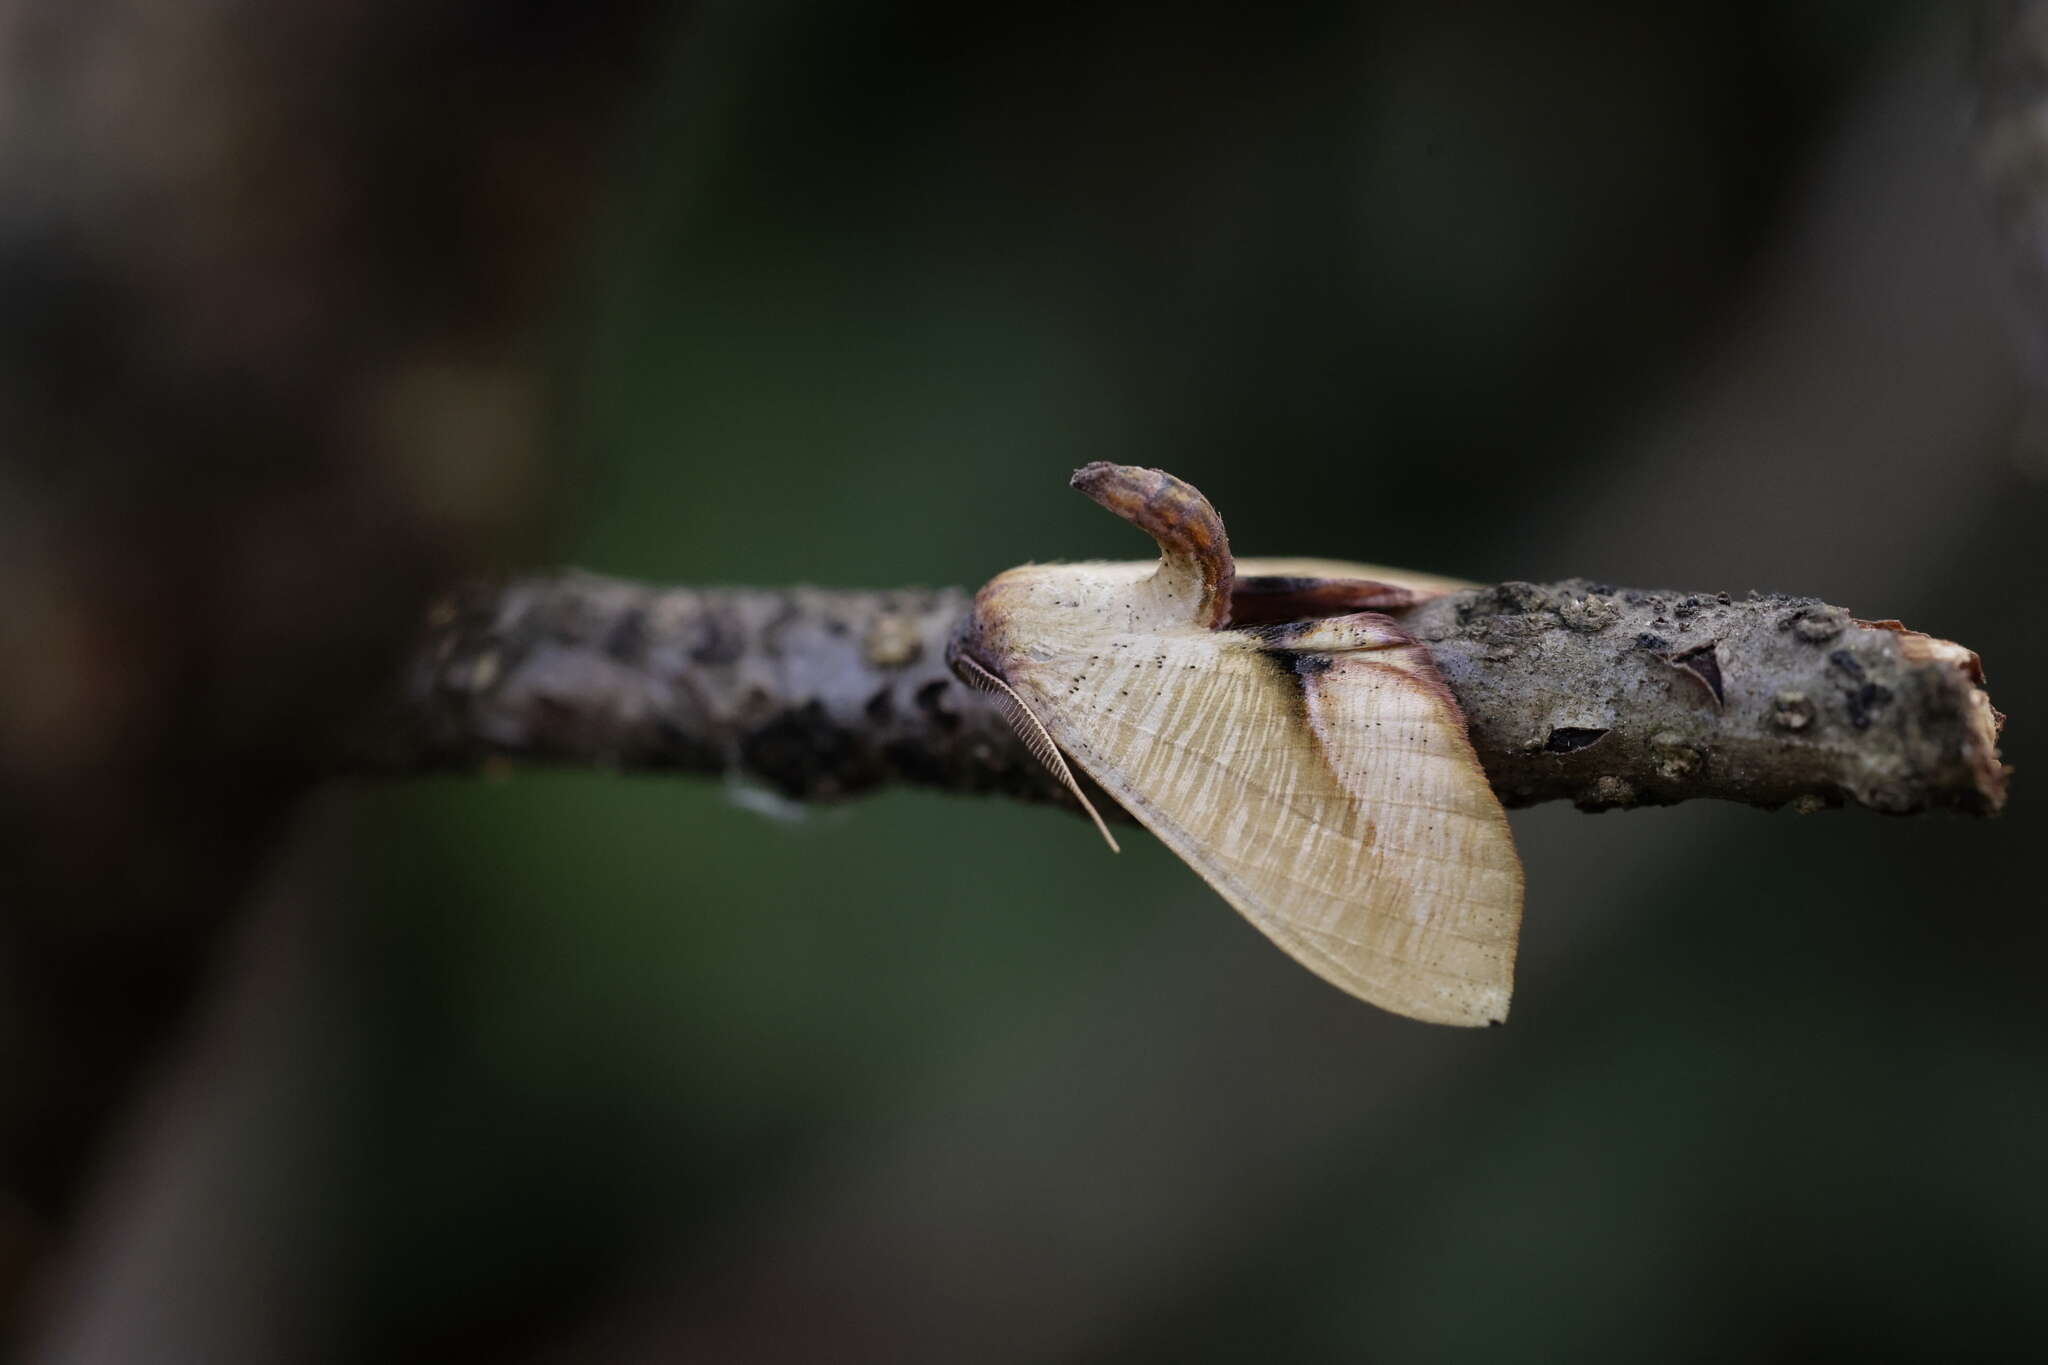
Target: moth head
column 1049, row 606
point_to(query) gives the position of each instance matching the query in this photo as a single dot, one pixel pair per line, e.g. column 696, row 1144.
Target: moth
column 1277, row 729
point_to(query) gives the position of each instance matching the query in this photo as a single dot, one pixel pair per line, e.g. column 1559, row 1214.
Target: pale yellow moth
column 1282, row 734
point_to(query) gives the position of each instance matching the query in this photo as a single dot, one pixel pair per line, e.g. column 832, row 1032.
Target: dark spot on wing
column 1280, row 633
column 1296, row 663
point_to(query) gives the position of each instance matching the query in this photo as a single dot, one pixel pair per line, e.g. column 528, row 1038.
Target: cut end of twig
column 1957, row 670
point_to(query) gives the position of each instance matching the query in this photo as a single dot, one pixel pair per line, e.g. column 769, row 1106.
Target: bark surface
column 1574, row 691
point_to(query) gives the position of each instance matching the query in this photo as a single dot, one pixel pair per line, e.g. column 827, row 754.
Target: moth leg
column 1033, row 732
column 1265, row 599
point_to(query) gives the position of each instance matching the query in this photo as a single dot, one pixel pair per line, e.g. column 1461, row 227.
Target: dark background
column 582, row 1067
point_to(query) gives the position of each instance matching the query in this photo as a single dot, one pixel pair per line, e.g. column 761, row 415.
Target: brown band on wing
column 1417, row 669
column 1175, row 514
column 1267, row 599
column 1345, row 634
column 1359, row 640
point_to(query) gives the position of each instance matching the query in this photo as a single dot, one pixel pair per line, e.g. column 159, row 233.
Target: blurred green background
column 584, row 1067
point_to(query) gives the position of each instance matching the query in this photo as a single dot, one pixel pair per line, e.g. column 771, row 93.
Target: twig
column 1574, row 691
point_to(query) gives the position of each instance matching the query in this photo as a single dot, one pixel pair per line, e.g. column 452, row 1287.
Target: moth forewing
column 1326, row 793
column 1445, row 894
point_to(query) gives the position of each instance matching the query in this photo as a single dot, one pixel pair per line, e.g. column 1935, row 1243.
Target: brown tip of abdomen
column 1176, row 515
